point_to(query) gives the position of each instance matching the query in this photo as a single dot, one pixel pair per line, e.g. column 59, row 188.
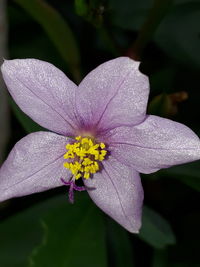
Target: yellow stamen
column 83, row 156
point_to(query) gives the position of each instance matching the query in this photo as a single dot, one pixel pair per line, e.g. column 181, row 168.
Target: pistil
column 72, row 187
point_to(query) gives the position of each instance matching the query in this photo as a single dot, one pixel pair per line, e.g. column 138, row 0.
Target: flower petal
column 43, row 92
column 154, row 144
column 117, row 190
column 113, row 94
column 35, row 164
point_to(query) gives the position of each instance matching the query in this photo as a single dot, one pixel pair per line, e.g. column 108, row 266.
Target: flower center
column 84, row 156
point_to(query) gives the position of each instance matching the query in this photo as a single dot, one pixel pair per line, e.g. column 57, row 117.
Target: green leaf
column 119, row 245
column 19, row 235
column 54, row 233
column 155, row 230
column 74, row 236
column 27, row 123
column 22, row 232
column 186, row 251
column 188, row 174
column 178, row 34
column 58, row 31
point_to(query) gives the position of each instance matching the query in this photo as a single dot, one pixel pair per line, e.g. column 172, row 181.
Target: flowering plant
column 99, row 132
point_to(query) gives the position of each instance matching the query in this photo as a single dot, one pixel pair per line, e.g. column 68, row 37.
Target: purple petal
column 43, row 92
column 113, row 94
column 35, row 164
column 117, row 190
column 154, row 144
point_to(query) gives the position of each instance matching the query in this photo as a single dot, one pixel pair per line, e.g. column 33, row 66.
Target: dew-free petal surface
column 113, row 94
column 117, row 190
column 154, row 144
column 35, row 164
column 43, row 92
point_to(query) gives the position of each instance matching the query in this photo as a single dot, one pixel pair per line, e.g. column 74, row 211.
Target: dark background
column 76, row 36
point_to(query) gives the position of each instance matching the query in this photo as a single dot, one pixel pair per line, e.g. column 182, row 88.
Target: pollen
column 83, row 157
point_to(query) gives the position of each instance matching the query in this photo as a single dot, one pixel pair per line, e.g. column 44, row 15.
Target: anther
column 83, row 156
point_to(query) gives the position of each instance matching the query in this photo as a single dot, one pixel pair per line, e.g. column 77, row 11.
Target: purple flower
column 102, row 136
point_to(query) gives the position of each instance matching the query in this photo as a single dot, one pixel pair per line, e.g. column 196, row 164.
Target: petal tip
column 7, row 63
column 128, row 60
column 134, row 227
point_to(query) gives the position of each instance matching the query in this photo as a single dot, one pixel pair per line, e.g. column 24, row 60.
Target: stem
column 156, row 14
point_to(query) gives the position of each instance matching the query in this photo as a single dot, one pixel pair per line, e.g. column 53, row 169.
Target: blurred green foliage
column 76, row 36
column 155, row 230
column 70, row 237
column 57, row 30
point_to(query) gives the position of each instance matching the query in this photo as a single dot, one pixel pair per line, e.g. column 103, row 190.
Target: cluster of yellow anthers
column 83, row 157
